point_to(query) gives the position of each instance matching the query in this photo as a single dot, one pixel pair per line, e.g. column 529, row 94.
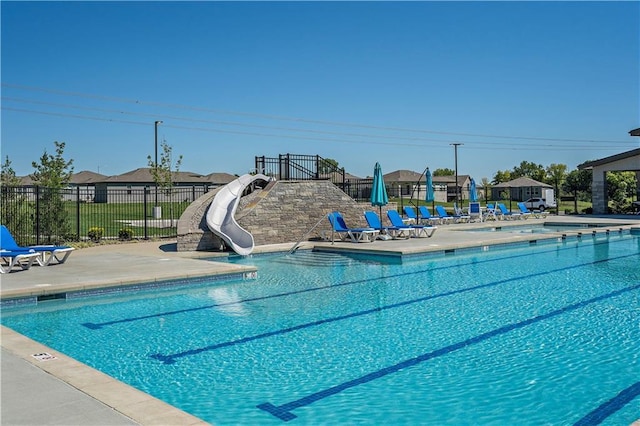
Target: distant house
column 142, row 178
column 519, row 189
column 448, row 183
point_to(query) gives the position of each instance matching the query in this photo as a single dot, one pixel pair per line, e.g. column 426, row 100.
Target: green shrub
column 125, row 233
column 95, row 233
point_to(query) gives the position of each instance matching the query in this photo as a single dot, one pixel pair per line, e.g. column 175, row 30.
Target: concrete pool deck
column 60, row 390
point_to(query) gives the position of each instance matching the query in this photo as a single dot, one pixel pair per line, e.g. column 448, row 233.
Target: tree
column 578, row 183
column 444, row 172
column 530, row 170
column 14, row 208
column 52, row 174
column 162, row 173
column 620, row 187
column 486, row 186
column 501, row 176
column 327, row 166
column 557, row 173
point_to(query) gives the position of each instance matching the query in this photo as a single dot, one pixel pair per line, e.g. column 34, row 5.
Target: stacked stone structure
column 282, row 212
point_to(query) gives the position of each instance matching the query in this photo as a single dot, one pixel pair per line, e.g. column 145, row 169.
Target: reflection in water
column 229, row 301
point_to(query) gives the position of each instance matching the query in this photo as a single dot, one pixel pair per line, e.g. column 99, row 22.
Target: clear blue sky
column 358, row 82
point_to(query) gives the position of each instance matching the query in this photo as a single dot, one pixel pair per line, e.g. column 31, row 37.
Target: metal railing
column 38, row 215
column 300, row 167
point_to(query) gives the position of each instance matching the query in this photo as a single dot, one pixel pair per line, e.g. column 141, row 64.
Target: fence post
column 37, row 214
column 78, row 213
column 144, row 213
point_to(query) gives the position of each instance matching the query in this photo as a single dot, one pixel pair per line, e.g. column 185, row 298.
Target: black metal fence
column 38, row 215
column 300, row 167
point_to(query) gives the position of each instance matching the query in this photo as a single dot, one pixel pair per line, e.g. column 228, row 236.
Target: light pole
column 455, row 150
column 155, row 164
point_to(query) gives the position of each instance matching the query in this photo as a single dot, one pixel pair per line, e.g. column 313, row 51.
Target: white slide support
column 220, row 216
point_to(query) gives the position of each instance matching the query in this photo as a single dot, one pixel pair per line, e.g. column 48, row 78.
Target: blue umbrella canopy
column 429, row 184
column 379, row 195
column 473, row 192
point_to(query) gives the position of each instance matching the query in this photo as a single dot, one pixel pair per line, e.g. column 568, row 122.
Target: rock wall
column 282, row 212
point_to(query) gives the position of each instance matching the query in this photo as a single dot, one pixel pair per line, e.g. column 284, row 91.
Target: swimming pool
column 539, row 334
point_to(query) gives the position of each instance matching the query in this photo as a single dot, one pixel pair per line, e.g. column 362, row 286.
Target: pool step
column 311, row 258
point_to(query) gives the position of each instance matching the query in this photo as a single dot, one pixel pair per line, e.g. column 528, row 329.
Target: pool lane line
column 171, row 358
column 283, row 411
column 97, row 326
column 605, row 410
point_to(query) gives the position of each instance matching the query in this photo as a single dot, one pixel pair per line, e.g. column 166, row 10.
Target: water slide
column 220, row 216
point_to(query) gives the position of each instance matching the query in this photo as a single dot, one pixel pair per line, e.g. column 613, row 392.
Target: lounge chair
column 426, row 216
column 459, row 215
column 506, row 213
column 373, row 220
column 527, row 213
column 443, row 215
column 415, row 230
column 357, row 235
column 410, row 213
column 48, row 254
column 491, row 213
column 475, row 212
column 23, row 259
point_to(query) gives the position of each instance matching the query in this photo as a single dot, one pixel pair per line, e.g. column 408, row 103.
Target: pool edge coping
column 130, row 402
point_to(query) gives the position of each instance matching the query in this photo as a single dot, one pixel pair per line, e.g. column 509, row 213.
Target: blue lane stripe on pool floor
column 598, row 415
column 283, row 411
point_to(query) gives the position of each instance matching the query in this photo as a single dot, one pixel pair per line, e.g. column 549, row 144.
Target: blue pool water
column 546, row 334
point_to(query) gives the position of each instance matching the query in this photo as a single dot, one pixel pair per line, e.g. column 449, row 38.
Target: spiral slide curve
column 220, row 215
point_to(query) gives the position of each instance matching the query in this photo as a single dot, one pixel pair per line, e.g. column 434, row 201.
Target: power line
column 469, row 145
column 296, row 119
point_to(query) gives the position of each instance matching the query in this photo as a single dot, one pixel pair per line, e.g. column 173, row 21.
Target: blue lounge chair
column 506, row 213
column 415, row 230
column 47, row 254
column 357, row 235
column 443, row 215
column 373, row 220
column 526, row 213
column 475, row 212
column 426, row 216
column 410, row 213
column 23, row 259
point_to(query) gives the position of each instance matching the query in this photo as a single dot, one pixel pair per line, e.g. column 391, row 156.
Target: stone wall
column 282, row 212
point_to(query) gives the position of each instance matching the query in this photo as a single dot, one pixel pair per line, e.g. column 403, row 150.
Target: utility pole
column 156, row 158
column 455, row 150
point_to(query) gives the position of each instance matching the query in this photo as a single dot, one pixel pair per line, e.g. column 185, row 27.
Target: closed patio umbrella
column 379, row 195
column 473, row 192
column 429, row 184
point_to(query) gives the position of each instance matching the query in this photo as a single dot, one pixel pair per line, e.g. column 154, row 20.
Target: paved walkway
column 62, row 391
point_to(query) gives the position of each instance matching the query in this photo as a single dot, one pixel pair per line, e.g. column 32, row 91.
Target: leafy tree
column 163, row 175
column 501, row 176
column 486, row 186
column 52, row 174
column 530, row 170
column 444, row 172
column 15, row 211
column 556, row 173
column 578, row 183
column 327, row 166
column 620, row 188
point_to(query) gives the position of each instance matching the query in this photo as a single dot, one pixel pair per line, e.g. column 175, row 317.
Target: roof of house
column 144, row 175
column 522, row 182
column 402, row 176
column 610, row 159
column 86, row 177
column 635, row 132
